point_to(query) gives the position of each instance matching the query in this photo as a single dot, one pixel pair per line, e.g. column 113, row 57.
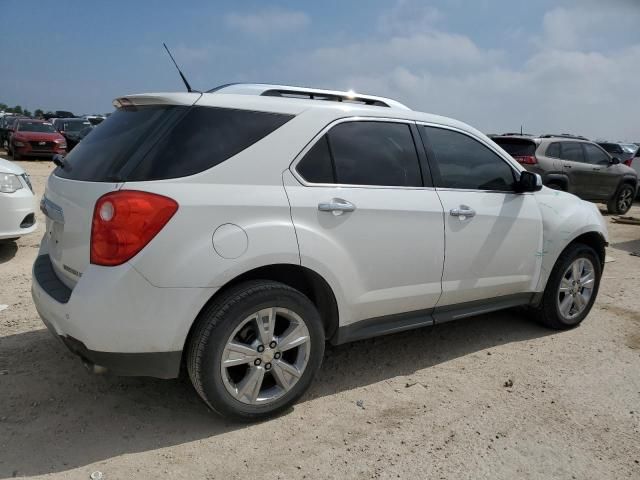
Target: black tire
column 622, row 200
column 548, row 312
column 215, row 325
column 15, row 155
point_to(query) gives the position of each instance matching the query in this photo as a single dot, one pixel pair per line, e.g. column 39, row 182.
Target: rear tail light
column 628, row 162
column 526, row 159
column 124, row 222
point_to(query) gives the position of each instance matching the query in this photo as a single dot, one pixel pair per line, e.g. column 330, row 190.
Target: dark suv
column 575, row 165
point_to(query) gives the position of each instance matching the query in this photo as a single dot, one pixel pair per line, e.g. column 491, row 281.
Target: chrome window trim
column 318, row 136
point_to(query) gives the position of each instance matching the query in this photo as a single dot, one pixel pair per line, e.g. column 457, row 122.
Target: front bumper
column 17, row 213
column 115, row 319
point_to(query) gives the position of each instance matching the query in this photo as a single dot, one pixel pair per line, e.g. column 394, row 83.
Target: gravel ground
column 494, row 396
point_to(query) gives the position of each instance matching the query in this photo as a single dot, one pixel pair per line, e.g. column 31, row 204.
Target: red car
column 36, row 138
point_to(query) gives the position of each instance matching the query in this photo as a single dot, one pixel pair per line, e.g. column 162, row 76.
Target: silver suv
column 575, row 165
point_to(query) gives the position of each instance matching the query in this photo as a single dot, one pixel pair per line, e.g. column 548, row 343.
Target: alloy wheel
column 265, row 356
column 576, row 288
column 625, row 200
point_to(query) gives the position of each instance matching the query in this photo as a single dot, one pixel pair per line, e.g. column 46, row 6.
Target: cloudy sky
column 552, row 66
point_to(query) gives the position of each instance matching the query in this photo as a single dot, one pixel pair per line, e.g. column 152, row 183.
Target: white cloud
column 566, row 84
column 266, row 22
column 409, row 16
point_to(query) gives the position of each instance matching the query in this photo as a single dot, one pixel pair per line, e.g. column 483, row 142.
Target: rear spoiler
column 144, row 99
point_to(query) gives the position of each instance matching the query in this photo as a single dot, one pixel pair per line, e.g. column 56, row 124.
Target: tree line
column 18, row 110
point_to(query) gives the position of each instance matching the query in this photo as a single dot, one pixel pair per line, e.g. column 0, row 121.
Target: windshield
column 75, row 126
column 36, row 127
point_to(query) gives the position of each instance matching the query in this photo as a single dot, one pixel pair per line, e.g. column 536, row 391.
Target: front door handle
column 462, row 211
column 337, row 206
column 596, row 169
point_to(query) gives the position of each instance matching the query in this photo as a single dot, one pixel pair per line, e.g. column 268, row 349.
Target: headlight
column 9, row 183
column 18, row 144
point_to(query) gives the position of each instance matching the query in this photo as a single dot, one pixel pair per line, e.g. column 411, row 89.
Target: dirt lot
column 431, row 403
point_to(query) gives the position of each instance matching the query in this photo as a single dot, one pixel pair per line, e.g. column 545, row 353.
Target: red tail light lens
column 526, row 159
column 628, row 162
column 124, row 222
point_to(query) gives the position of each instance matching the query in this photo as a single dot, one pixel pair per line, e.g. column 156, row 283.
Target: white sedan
column 17, row 202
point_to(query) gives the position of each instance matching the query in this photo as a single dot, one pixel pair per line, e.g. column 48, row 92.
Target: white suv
column 235, row 231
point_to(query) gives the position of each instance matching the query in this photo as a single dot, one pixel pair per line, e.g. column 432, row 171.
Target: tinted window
column 595, row 155
column 375, row 153
column 159, row 142
column 316, row 166
column 204, row 138
column 517, row 147
column 553, row 150
column 462, row 162
column 572, row 151
column 611, row 147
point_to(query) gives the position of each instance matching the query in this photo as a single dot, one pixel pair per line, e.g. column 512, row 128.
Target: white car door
column 366, row 223
column 493, row 236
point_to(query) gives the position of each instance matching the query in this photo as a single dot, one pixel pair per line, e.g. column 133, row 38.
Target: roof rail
column 563, row 135
column 287, row 91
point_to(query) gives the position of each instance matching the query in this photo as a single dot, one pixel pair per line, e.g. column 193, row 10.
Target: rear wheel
column 255, row 350
column 571, row 289
column 622, row 201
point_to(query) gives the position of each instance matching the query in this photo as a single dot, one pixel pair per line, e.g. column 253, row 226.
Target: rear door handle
column 462, row 211
column 596, row 169
column 337, row 206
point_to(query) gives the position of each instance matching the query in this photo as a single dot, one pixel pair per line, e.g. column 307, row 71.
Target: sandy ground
column 430, row 403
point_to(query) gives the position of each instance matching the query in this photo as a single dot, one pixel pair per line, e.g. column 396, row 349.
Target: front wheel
column 622, row 201
column 255, row 350
column 571, row 289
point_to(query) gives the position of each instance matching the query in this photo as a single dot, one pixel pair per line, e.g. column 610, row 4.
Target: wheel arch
column 307, row 281
column 558, row 178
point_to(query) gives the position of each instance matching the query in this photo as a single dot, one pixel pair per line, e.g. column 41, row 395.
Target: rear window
column 517, row 147
column 161, row 142
column 611, row 147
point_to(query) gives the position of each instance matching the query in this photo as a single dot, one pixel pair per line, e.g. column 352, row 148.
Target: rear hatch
column 521, row 149
column 98, row 165
column 146, row 139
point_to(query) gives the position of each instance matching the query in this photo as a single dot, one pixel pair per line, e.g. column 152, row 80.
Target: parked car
column 623, row 151
column 94, row 119
column 17, row 202
column 635, row 164
column 239, row 230
column 575, row 165
column 70, row 129
column 35, row 138
column 7, row 126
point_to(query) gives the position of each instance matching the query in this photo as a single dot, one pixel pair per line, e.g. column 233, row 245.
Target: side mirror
column 615, row 161
column 58, row 160
column 528, row 182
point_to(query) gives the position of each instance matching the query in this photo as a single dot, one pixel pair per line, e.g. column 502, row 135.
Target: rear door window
column 595, row 155
column 160, row 142
column 572, row 151
column 553, row 150
column 375, row 153
column 462, row 162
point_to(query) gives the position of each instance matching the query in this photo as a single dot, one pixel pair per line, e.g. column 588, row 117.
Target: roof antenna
column 186, row 84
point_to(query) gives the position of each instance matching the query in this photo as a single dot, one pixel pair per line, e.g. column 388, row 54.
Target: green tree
column 17, row 109
column 26, row 113
column 4, row 106
column 38, row 112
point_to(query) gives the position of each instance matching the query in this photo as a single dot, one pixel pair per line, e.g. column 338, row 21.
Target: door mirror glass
column 528, row 182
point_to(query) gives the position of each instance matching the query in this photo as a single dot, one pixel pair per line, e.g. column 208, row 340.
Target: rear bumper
column 17, row 213
column 115, row 319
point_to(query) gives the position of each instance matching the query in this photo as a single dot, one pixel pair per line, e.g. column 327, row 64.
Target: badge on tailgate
column 51, row 210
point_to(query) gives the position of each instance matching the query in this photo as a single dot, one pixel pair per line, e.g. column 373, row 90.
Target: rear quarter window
column 162, row 142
